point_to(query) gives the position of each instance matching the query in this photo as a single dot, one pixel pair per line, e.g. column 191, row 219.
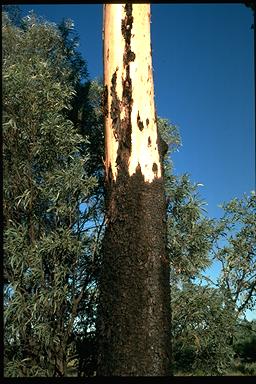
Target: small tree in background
column 49, row 242
column 237, row 231
column 206, row 314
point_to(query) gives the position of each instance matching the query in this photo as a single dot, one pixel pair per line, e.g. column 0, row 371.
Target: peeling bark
column 134, row 304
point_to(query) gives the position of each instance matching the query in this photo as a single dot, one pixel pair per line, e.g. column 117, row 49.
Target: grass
column 239, row 368
column 243, row 369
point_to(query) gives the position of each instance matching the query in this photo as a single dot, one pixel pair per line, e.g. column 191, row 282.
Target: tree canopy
column 49, row 241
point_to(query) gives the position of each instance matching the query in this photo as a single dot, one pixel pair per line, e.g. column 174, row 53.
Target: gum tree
column 48, row 257
column 133, row 314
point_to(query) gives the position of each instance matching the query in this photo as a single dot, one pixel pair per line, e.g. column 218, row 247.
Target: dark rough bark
column 134, row 312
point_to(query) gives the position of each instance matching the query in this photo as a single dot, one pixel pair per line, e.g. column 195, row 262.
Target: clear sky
column 203, row 62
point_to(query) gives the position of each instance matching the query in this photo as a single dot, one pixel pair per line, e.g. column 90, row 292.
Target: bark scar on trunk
column 127, row 33
column 124, row 147
column 139, row 122
column 115, row 107
column 155, row 169
column 105, row 101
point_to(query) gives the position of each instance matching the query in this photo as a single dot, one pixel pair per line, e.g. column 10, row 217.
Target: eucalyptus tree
column 207, row 313
column 235, row 251
column 134, row 303
column 48, row 254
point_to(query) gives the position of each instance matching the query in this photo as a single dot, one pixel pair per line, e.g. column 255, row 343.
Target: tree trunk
column 133, row 312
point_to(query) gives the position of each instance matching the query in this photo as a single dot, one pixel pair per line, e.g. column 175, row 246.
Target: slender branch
column 239, row 285
column 250, row 293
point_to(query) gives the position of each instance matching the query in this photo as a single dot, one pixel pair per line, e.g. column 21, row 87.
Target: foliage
column 201, row 324
column 237, row 230
column 194, row 243
column 14, row 14
column 49, row 243
column 202, row 330
column 87, row 116
column 245, row 340
column 222, row 303
column 190, row 233
column 170, row 135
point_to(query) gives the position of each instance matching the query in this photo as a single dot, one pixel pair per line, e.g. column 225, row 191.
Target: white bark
column 144, row 147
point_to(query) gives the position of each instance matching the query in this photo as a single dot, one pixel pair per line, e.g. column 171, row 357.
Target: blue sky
column 203, row 62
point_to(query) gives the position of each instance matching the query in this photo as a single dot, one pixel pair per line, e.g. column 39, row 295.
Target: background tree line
column 53, row 148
